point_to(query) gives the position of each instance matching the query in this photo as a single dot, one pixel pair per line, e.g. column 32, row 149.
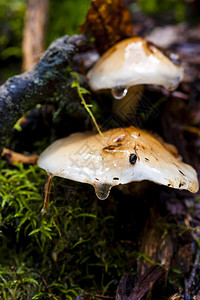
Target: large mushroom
column 121, row 156
column 134, row 62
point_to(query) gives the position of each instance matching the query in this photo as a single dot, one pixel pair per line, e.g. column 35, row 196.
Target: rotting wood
column 46, row 82
column 156, row 248
column 146, row 282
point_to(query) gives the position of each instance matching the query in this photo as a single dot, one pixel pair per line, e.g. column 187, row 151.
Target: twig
column 46, row 82
column 47, row 192
column 191, row 279
column 48, row 288
column 103, row 297
column 191, row 129
column 175, row 297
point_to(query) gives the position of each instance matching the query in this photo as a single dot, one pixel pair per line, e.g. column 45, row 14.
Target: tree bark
column 46, row 82
column 34, row 32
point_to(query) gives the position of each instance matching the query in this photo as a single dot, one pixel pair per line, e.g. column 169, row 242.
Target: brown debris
column 175, row 297
column 192, row 129
column 125, row 287
column 48, row 287
column 184, row 258
column 47, row 193
column 158, row 249
column 108, row 22
column 192, row 282
column 197, row 296
column 180, row 116
column 12, row 156
column 146, row 282
column 87, row 296
column 173, row 116
column 144, row 286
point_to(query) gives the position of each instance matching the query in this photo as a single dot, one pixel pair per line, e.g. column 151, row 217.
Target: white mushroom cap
column 134, row 61
column 121, row 156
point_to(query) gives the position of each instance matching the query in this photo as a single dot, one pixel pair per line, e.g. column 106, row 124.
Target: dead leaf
column 12, row 156
column 108, row 22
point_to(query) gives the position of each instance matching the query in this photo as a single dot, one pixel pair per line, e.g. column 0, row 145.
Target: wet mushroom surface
column 119, row 157
column 134, row 61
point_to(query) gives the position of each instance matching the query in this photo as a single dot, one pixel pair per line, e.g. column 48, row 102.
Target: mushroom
column 132, row 62
column 121, row 156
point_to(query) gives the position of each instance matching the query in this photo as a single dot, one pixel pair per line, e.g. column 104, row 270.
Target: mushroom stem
column 125, row 108
column 47, row 193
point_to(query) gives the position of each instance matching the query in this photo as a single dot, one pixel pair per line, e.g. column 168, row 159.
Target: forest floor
column 143, row 242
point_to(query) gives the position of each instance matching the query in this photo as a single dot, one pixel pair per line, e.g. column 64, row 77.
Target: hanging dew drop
column 175, row 84
column 119, row 92
column 102, row 191
column 175, row 58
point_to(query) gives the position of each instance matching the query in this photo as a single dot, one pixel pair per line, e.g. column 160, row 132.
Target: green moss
column 177, row 8
column 65, row 17
column 70, row 249
column 11, row 30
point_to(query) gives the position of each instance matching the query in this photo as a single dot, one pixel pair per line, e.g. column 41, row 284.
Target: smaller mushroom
column 121, row 156
column 133, row 62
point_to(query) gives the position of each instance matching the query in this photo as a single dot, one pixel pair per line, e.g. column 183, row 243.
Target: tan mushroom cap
column 131, row 62
column 121, row 156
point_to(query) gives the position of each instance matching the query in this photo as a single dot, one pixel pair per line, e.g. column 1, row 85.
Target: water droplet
column 36, row 80
column 173, row 56
column 119, row 92
column 175, row 84
column 102, row 191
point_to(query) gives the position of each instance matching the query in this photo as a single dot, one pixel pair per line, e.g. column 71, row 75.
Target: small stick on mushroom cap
column 121, row 156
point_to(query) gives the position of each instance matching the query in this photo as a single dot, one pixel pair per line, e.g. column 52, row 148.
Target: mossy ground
column 81, row 244
column 76, row 245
